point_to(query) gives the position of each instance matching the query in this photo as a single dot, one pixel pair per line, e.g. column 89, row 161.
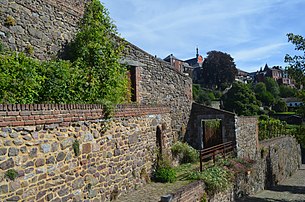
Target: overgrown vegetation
column 91, row 75
column 216, row 178
column 164, row 171
column 185, row 153
column 270, row 128
column 11, row 174
column 205, row 96
column 75, row 147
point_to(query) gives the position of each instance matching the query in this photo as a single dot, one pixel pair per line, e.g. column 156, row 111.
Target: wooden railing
column 222, row 149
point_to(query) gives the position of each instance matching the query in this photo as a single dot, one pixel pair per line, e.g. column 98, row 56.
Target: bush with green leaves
column 20, row 80
column 216, row 178
column 91, row 75
column 164, row 172
column 185, row 153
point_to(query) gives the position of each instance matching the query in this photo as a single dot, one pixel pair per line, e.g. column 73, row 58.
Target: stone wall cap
column 130, row 62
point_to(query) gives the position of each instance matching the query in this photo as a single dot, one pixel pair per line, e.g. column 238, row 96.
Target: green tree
column 280, row 106
column 286, row 91
column 296, row 64
column 263, row 95
column 241, row 100
column 97, row 50
column 219, row 70
column 202, row 96
column 272, row 86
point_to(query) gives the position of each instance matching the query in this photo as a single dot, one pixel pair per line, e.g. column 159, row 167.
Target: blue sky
column 253, row 32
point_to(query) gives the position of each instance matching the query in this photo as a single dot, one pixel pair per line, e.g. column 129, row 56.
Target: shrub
column 185, row 153
column 165, row 174
column 164, row 171
column 11, row 174
column 20, row 80
column 216, row 178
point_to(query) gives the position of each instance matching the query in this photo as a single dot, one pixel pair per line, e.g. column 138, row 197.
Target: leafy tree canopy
column 241, row 100
column 296, row 64
column 219, row 70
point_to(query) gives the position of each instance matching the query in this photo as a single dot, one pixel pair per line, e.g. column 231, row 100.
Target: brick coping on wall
column 65, row 114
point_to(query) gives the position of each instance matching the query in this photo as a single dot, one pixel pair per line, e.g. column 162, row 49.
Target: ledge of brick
column 64, row 114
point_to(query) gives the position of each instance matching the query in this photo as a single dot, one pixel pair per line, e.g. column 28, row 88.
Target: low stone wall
column 276, row 160
column 195, row 191
column 116, row 155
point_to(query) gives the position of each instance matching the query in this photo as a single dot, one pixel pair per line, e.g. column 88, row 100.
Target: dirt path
column 292, row 189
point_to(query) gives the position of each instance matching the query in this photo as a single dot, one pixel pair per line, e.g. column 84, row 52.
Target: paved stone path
column 292, row 189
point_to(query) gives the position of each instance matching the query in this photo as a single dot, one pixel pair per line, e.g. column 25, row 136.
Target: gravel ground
column 292, row 189
column 152, row 192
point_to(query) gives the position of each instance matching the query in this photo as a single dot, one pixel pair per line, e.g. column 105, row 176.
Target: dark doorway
column 212, row 132
column 159, row 139
column 132, row 83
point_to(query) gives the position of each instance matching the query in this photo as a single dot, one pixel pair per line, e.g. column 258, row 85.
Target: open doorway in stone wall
column 212, row 132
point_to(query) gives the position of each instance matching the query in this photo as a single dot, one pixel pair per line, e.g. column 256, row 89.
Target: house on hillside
column 277, row 73
column 243, row 76
column 293, row 102
column 177, row 64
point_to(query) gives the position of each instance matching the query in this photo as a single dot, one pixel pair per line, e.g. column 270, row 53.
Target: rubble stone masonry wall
column 159, row 83
column 116, row 155
column 44, row 25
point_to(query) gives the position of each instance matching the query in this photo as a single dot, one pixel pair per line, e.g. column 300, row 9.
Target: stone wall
column 116, row 155
column 199, row 112
column 158, row 83
column 276, row 160
column 195, row 192
column 45, row 25
column 246, row 137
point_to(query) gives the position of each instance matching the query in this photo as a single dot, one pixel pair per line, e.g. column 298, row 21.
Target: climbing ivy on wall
column 90, row 73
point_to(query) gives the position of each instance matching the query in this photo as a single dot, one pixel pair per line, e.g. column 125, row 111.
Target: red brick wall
column 65, row 114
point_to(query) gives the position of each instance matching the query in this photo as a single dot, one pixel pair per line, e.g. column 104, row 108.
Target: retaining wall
column 276, row 160
column 116, row 155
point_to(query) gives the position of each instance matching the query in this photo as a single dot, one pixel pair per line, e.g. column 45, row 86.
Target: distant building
column 243, row 76
column 293, row 102
column 277, row 73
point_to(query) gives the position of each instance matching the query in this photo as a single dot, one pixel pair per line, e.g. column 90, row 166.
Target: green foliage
column 272, row 86
column 286, row 91
column 11, row 174
column 20, row 81
column 298, row 132
column 29, row 49
column 219, row 70
column 280, row 106
column 185, row 153
column 263, row 95
column 271, row 128
column 75, row 147
column 93, row 74
column 216, row 178
column 164, row 171
column 10, row 21
column 212, row 123
column 241, row 100
column 202, row 96
column 165, row 174
column 296, row 64
column 96, row 50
